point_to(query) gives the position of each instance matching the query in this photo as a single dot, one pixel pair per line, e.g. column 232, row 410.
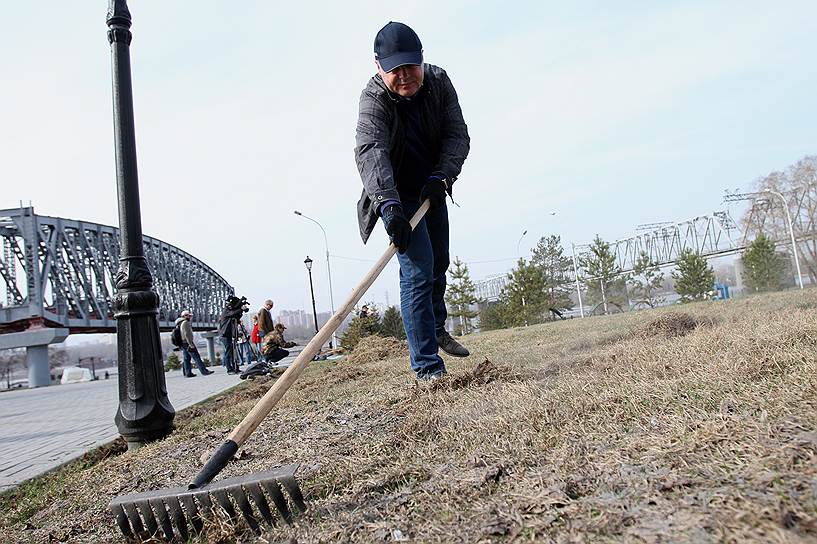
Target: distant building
column 294, row 318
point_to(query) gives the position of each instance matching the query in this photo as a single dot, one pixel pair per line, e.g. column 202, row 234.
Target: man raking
column 411, row 145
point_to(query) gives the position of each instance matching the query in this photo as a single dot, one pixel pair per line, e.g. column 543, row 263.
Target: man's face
column 188, row 317
column 268, row 305
column 404, row 80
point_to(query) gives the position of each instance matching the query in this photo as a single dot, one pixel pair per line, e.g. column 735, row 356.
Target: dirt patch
column 377, row 348
column 342, row 373
column 671, row 325
column 255, row 388
column 483, row 373
column 111, row 449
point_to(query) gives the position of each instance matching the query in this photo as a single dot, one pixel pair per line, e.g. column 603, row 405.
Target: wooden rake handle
column 264, row 406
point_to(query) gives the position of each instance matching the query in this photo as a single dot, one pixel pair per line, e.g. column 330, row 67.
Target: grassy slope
column 605, row 429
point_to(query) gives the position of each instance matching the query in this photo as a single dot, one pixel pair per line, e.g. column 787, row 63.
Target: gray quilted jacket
column 381, row 141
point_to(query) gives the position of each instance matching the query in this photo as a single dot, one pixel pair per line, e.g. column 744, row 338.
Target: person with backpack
column 182, row 337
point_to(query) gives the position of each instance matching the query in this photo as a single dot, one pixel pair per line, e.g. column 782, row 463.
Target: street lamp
column 576, row 274
column 791, row 233
column 308, row 263
column 145, row 413
column 328, row 268
column 524, row 232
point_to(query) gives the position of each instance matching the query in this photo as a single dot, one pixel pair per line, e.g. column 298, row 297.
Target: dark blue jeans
column 422, row 288
column 194, row 353
column 227, row 344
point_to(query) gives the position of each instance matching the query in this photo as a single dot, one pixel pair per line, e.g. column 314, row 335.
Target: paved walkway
column 43, row 428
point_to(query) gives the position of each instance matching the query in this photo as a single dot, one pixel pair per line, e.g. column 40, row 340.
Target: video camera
column 234, row 303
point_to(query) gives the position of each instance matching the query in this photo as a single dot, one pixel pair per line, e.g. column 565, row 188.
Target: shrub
column 360, row 327
column 392, row 324
column 173, row 362
column 694, row 278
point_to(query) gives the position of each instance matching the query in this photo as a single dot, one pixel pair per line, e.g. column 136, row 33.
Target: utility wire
column 492, row 261
column 466, row 262
column 353, row 259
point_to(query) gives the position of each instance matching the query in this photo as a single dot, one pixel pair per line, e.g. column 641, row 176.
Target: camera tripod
column 241, row 332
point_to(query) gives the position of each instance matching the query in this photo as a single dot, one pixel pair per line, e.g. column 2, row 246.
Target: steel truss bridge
column 490, row 288
column 60, row 273
column 713, row 235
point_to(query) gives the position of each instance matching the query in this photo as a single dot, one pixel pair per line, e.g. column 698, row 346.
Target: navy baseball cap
column 397, row 44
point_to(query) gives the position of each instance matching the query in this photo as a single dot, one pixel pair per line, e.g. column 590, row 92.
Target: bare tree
column 57, row 357
column 10, row 359
column 798, row 185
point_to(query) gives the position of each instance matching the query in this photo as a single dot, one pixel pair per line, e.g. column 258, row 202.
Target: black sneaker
column 191, row 375
column 451, row 346
column 206, row 372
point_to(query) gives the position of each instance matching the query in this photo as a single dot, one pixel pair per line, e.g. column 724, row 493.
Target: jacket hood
column 179, row 320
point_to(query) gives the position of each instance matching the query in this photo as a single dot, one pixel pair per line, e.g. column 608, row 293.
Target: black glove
column 434, row 190
column 397, row 226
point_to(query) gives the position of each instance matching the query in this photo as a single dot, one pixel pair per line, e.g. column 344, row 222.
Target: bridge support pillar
column 211, row 346
column 39, row 374
column 36, row 342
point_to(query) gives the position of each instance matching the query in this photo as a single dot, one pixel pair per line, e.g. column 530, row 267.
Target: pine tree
column 460, row 295
column 694, row 278
column 493, row 316
column 603, row 278
column 392, row 324
column 523, row 297
column 646, row 281
column 360, row 327
column 764, row 269
column 556, row 270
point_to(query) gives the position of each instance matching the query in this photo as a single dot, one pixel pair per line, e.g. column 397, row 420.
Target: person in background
column 265, row 319
column 232, row 312
column 274, row 344
column 255, row 335
column 242, row 344
column 189, row 349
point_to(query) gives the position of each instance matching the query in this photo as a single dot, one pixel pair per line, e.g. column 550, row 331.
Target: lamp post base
column 145, row 412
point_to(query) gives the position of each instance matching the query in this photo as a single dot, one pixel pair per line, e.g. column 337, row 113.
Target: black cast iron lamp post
column 145, row 412
column 308, row 263
column 328, row 268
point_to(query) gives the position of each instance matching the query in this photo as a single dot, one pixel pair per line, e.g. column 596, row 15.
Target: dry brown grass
column 640, row 427
column 377, row 348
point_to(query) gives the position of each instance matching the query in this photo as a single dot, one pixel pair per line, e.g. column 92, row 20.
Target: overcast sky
column 610, row 114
